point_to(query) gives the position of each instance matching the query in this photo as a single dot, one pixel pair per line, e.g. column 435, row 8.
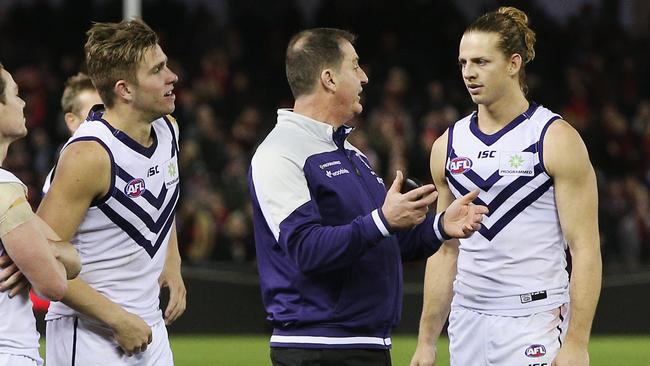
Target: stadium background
column 591, row 66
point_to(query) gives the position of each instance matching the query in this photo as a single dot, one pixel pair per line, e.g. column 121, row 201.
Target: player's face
column 12, row 118
column 484, row 67
column 153, row 95
column 351, row 79
column 85, row 100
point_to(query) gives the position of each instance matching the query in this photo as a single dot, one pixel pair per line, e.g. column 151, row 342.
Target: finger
column 397, row 183
column 171, row 306
column 178, row 310
column 471, row 196
column 7, row 272
column 415, row 194
column 19, row 287
column 5, row 261
column 429, row 199
column 10, row 276
column 480, row 209
column 13, row 279
column 150, row 337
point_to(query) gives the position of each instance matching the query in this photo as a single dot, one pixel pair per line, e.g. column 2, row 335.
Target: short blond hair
column 113, row 52
column 73, row 87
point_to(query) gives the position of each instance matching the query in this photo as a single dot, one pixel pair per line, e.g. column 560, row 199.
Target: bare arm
column 83, row 174
column 63, row 250
column 567, row 161
column 440, row 271
column 28, row 256
column 32, row 255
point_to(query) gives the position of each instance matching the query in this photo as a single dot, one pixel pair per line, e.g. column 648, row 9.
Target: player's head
column 12, row 118
column 323, row 60
column 128, row 66
column 493, row 53
column 79, row 96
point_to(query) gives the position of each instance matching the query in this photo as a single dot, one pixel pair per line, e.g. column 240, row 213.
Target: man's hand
column 11, row 279
column 403, row 211
column 462, row 218
column 172, row 279
column 425, row 355
column 571, row 354
column 131, row 333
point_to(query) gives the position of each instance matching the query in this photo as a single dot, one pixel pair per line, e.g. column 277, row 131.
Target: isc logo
column 153, row 171
column 459, row 165
column 135, row 188
column 486, row 154
column 536, row 350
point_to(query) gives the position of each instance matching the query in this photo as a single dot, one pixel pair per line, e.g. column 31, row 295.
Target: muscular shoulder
column 439, row 157
column 564, row 151
column 84, row 164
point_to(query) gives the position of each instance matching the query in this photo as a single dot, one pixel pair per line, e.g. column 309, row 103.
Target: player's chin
column 169, row 108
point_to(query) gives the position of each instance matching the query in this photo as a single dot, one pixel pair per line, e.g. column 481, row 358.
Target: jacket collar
column 318, row 129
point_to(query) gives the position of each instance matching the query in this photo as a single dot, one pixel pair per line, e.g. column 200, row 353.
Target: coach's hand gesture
column 403, row 211
column 132, row 334
column 462, row 218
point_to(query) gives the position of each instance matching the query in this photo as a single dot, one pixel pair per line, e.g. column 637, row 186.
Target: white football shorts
column 71, row 340
column 494, row 340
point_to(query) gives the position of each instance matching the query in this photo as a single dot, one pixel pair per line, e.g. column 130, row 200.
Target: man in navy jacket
column 330, row 239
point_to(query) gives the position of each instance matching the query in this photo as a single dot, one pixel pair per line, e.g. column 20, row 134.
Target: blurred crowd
column 230, row 60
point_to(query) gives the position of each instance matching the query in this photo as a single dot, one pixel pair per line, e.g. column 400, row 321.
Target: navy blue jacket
column 330, row 266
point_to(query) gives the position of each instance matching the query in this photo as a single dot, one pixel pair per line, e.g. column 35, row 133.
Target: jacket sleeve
column 423, row 240
column 282, row 192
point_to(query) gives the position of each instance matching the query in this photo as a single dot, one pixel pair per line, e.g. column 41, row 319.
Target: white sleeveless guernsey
column 123, row 238
column 18, row 335
column 515, row 264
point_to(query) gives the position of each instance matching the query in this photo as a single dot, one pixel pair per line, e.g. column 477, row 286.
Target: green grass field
column 253, row 350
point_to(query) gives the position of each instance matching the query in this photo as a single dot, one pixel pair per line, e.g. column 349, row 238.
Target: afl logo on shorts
column 535, row 350
column 460, row 165
column 135, row 188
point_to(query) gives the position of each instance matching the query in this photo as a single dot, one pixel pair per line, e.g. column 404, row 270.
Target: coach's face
column 349, row 80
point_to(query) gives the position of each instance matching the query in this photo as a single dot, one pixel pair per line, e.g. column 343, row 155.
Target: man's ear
column 71, row 121
column 516, row 62
column 327, row 80
column 122, row 90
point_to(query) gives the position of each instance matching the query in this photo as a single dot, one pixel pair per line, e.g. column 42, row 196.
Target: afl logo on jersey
column 135, row 188
column 460, row 165
column 536, row 350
